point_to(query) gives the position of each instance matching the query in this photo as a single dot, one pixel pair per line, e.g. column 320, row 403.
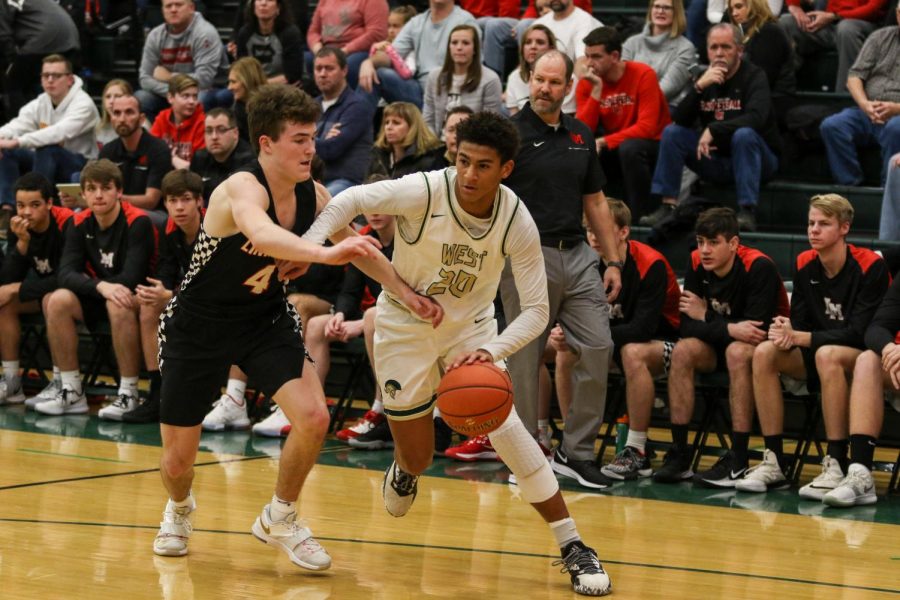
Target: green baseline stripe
column 63, row 454
column 489, row 551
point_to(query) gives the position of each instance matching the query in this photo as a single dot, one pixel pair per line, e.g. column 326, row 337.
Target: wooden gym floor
column 80, row 502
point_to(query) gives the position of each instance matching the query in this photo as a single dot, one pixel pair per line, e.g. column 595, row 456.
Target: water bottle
column 621, row 433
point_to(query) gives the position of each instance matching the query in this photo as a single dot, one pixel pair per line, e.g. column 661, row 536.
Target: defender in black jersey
column 876, row 368
column 837, row 289
column 109, row 249
column 731, row 295
column 29, row 270
column 231, row 309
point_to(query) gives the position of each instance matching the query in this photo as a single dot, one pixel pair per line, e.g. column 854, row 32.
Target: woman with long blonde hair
column 405, row 144
column 244, row 78
column 536, row 40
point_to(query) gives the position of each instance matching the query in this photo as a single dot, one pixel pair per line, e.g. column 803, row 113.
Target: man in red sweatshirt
column 623, row 103
column 843, row 26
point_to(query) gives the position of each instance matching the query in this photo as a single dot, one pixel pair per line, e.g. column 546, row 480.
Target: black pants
column 633, row 162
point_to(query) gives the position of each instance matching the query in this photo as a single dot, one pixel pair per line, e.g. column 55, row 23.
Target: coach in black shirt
column 558, row 177
column 224, row 151
column 143, row 159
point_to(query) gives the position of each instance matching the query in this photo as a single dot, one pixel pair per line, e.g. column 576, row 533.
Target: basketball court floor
column 80, row 503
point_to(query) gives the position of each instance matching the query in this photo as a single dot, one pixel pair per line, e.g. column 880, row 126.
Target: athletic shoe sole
column 14, row 399
column 260, row 534
column 864, row 500
column 631, row 476
column 813, row 493
column 573, row 474
column 167, row 552
column 466, row 457
column 69, row 410
column 778, row 485
column 373, row 445
column 231, row 427
column 718, row 484
column 660, row 477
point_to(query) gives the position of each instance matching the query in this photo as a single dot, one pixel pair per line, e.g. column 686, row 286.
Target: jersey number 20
column 259, row 281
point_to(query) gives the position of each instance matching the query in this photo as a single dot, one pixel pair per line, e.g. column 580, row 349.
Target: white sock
column 378, row 406
column 188, row 501
column 564, row 531
column 280, row 509
column 71, row 380
column 437, row 412
column 236, row 389
column 128, row 386
column 56, row 373
column 637, row 440
column 11, row 373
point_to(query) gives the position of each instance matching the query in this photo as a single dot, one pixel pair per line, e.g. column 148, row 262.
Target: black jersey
column 229, row 279
column 838, row 310
column 885, row 326
column 37, row 268
column 124, row 252
column 751, row 291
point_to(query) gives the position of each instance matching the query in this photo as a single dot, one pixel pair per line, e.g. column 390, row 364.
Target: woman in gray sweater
column 462, row 80
column 662, row 45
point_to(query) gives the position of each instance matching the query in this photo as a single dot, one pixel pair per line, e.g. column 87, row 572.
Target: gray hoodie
column 669, row 57
column 197, row 51
column 35, row 27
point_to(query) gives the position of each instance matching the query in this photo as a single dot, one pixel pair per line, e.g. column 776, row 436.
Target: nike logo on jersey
column 539, row 144
column 477, row 321
column 813, row 282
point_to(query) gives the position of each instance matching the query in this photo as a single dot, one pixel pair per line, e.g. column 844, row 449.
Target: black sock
column 862, row 450
column 739, row 442
column 680, row 436
column 837, row 449
column 775, row 444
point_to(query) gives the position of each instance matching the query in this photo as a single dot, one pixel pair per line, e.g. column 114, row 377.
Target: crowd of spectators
column 393, row 82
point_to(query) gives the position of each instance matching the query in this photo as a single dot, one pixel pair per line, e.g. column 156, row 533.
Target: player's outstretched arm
column 248, row 201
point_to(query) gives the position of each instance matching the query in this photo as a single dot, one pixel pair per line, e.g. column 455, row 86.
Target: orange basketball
column 475, row 399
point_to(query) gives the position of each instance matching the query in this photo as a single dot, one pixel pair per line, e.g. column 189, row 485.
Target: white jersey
column 442, row 251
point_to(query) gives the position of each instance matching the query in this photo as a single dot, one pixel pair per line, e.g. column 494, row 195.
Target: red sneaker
column 363, row 425
column 475, row 448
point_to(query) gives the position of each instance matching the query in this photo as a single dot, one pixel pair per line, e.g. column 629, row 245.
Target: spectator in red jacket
column 623, row 103
column 181, row 126
column 843, row 26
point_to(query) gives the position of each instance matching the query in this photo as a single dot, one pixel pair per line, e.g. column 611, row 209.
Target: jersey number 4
column 259, row 281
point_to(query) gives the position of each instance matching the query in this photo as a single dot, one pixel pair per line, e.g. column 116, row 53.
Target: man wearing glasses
column 224, row 151
column 53, row 134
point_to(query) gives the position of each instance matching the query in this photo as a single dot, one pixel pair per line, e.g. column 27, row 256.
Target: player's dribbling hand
column 351, row 248
column 425, row 307
column 470, row 358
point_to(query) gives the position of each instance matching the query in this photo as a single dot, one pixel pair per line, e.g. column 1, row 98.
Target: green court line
column 136, row 472
column 64, row 455
column 491, row 551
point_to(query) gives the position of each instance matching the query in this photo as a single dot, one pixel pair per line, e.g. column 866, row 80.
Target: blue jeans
column 151, row 104
column 890, row 205
column 336, row 186
column 53, row 162
column 850, row 129
column 697, row 23
column 498, row 36
column 394, row 88
column 215, row 98
column 751, row 162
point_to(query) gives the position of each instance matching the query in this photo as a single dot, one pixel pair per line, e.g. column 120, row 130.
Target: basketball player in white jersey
column 455, row 229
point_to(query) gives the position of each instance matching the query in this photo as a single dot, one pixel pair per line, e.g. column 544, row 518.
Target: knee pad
column 523, row 456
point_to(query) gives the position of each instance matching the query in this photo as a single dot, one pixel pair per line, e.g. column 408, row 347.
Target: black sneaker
column 584, row 472
column 676, row 467
column 583, row 566
column 722, row 474
column 663, row 211
column 443, row 436
column 146, row 412
column 746, row 220
column 627, row 465
column 378, row 438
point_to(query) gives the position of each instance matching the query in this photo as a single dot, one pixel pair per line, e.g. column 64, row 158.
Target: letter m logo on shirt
column 576, row 138
column 833, row 311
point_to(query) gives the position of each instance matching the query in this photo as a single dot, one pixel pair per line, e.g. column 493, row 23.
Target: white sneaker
column 227, row 414
column 66, row 402
column 399, row 490
column 856, row 489
column 7, row 396
column 122, row 404
column 275, row 425
column 48, row 393
column 827, row 480
column 174, row 530
column 763, row 477
column 294, row 538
